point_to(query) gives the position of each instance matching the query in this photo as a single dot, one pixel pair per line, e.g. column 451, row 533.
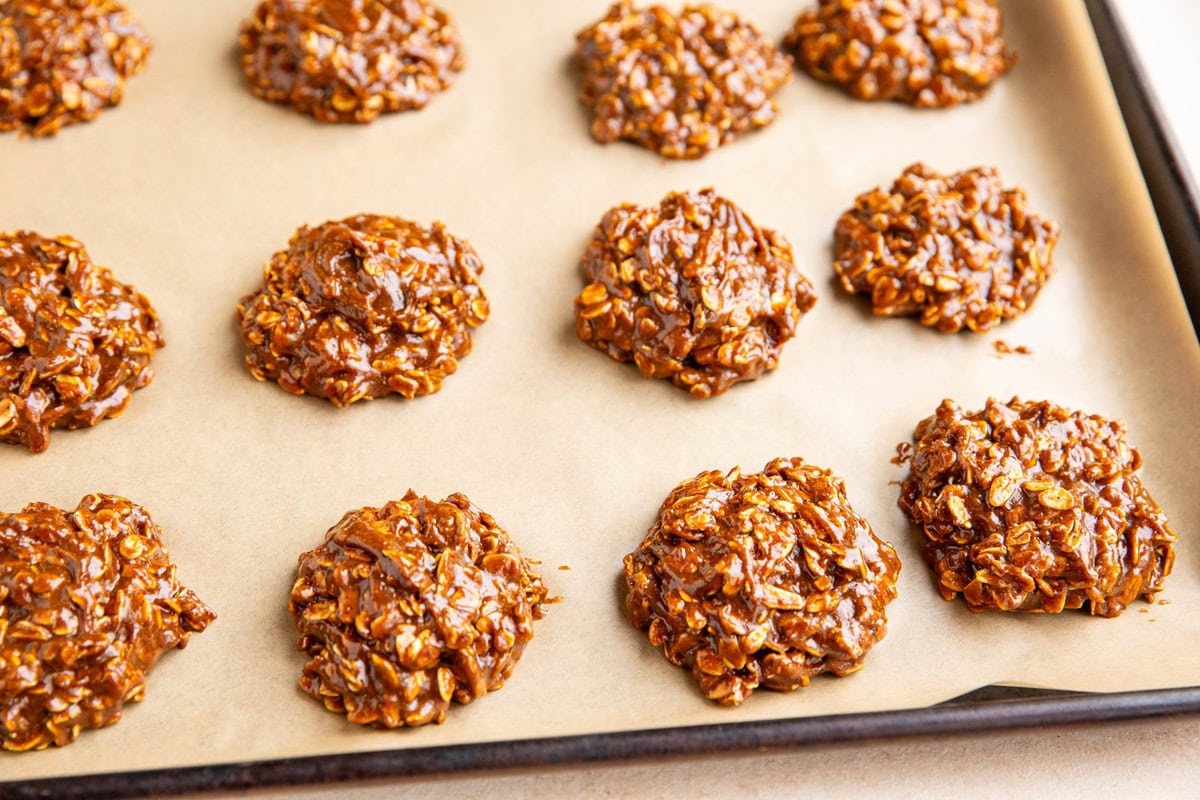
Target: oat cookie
column 957, row 251
column 678, row 84
column 690, row 290
column 761, row 580
column 364, row 307
column 409, row 606
column 65, row 61
column 88, row 602
column 930, row 53
column 350, row 60
column 1029, row 506
column 74, row 341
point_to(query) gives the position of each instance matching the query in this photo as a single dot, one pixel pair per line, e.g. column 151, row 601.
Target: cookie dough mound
column 412, row 605
column 65, row 61
column 680, row 85
column 958, row 251
column 363, row 307
column 350, row 60
column 691, row 290
column 930, row 53
column 1033, row 507
column 761, row 580
column 74, row 341
column 88, row 603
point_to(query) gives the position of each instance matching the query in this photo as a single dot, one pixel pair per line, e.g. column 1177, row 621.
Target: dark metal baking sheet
column 956, row 716
column 1176, row 204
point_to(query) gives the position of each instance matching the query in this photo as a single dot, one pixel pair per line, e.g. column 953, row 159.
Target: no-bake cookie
column 88, row 602
column 678, row 84
column 930, row 53
column 1029, row 506
column 350, row 60
column 762, row 579
column 956, row 251
column 364, row 307
column 407, row 607
column 690, row 290
column 74, row 341
column 65, row 61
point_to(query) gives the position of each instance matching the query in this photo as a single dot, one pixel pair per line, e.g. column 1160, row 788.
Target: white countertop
column 1164, row 32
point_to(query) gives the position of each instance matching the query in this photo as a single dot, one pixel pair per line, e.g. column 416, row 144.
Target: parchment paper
column 192, row 183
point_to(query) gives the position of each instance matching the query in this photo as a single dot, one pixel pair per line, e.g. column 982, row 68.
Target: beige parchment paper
column 192, row 183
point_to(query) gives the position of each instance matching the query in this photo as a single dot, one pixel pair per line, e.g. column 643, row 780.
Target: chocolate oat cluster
column 957, row 251
column 764, row 579
column 350, row 60
column 691, row 291
column 409, row 606
column 88, row 602
column 65, row 61
column 74, row 342
column 678, row 84
column 1033, row 507
column 931, row 53
column 364, row 307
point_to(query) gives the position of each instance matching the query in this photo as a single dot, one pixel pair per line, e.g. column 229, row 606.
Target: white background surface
column 1149, row 758
column 1165, row 32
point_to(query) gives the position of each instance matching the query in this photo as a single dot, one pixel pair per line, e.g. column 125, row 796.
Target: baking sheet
column 190, row 185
